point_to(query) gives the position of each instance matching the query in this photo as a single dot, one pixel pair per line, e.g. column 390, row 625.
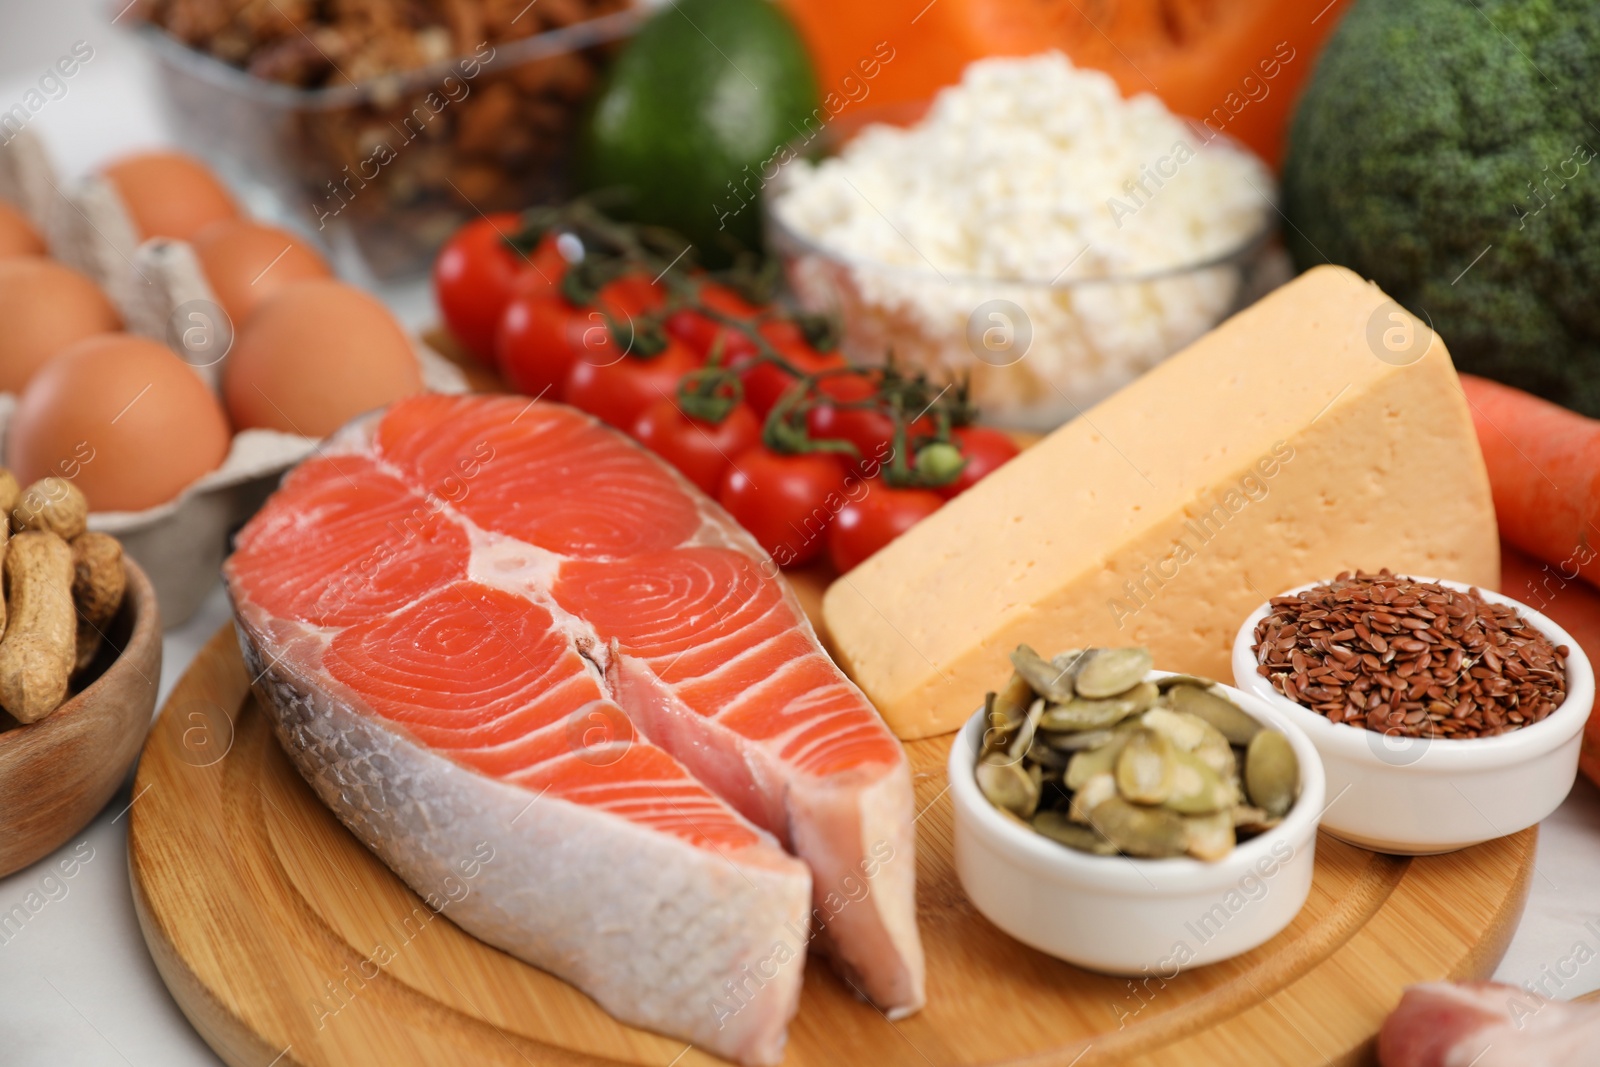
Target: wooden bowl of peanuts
column 80, row 660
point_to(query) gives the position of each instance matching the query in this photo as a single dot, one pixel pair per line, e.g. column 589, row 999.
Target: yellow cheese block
column 1321, row 430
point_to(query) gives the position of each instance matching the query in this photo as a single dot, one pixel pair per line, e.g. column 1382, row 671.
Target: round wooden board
column 286, row 942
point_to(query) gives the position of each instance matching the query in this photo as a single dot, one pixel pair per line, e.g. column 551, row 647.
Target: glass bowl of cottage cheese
column 1029, row 231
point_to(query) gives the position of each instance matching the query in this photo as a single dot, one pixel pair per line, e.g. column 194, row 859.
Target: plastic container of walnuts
column 379, row 128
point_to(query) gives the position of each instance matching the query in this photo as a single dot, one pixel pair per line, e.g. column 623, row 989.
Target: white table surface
column 77, row 987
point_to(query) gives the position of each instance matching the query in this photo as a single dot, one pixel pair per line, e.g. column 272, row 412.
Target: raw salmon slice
column 516, row 719
column 345, row 541
column 717, row 661
column 489, row 620
column 556, row 480
column 464, row 722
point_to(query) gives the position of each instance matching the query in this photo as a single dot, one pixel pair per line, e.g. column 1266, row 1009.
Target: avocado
column 694, row 112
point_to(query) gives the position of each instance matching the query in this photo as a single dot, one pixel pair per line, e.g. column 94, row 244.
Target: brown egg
column 170, row 195
column 246, row 262
column 123, row 418
column 314, row 356
column 44, row 307
column 17, row 235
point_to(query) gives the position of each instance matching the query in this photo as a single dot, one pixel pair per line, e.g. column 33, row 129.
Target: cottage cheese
column 996, row 235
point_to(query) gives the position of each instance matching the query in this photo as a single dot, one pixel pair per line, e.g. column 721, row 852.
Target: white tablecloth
column 77, row 988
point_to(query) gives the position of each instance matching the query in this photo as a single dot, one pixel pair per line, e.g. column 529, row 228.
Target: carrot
column 1544, row 471
column 1575, row 608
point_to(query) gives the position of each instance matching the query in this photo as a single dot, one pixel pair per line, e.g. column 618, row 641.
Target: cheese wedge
column 1321, row 430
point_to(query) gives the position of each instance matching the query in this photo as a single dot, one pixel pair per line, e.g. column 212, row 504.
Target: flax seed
column 1452, row 665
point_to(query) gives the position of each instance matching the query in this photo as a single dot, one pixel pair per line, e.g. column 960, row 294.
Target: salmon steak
column 485, row 626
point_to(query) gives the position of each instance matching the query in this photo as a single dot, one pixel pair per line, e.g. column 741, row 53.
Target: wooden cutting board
column 287, row 943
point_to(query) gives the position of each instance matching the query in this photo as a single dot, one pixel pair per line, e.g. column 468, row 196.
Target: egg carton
column 159, row 289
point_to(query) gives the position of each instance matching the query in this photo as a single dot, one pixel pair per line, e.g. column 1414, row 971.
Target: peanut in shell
column 52, row 504
column 10, row 491
column 39, row 648
column 99, row 581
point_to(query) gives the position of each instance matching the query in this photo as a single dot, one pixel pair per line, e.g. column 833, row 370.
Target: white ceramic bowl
column 1416, row 797
column 1130, row 916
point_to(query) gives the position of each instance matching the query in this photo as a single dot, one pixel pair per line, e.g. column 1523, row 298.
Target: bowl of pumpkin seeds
column 1132, row 820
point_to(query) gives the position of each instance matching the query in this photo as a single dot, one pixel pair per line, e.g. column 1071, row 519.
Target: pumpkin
column 1236, row 65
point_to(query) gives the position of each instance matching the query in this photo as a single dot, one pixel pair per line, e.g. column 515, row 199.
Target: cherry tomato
column 701, row 333
column 543, row 270
column 616, row 388
column 477, row 273
column 786, row 502
column 984, row 449
column 632, row 294
column 765, row 383
column 540, row 337
column 624, row 302
column 881, row 514
column 703, row 451
column 871, row 430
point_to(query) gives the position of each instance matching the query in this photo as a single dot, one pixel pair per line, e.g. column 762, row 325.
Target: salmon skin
column 490, row 621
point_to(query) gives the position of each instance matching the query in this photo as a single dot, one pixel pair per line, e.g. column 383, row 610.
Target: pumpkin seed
column 1041, row 753
column 1217, row 710
column 1150, row 832
column 1209, row 837
column 1056, row 827
column 1215, row 752
column 990, row 730
column 1044, row 677
column 1110, row 671
column 1184, row 679
column 1100, row 788
column 1196, row 789
column 1271, row 772
column 1076, row 741
column 1144, row 696
column 1184, row 731
column 1069, row 660
column 1102, row 760
column 1081, row 749
column 1010, row 706
column 1084, row 714
column 1030, row 726
column 1190, row 733
column 1252, row 820
column 1144, row 768
column 1008, row 786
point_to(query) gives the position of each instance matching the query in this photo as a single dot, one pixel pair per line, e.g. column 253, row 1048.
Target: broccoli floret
column 1450, row 151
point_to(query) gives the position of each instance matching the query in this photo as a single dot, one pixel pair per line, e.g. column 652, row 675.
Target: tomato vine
column 923, row 452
